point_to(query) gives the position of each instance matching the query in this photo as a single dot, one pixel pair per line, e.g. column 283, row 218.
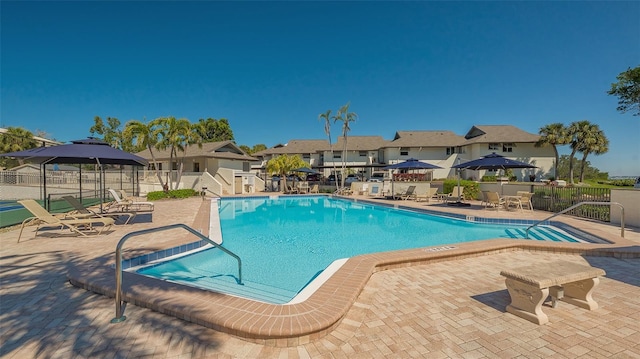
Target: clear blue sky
column 271, row 67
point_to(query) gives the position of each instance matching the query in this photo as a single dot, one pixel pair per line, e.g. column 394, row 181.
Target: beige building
column 367, row 154
column 220, row 167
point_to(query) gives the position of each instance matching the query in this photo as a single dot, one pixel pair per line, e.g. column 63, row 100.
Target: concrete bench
column 530, row 286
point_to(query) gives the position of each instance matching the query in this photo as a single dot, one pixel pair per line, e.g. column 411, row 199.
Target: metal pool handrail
column 578, row 205
column 119, row 317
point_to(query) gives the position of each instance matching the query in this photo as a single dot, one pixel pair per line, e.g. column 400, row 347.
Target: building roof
column 498, row 133
column 426, row 139
column 222, row 149
column 361, row 143
column 296, row 147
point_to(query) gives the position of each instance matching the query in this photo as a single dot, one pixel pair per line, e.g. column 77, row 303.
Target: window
column 152, row 166
column 306, row 156
column 508, row 147
column 362, row 153
column 404, row 151
column 196, row 167
column 494, row 147
column 451, row 150
column 337, row 155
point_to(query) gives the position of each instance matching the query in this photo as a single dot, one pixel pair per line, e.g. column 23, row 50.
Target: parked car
column 637, row 185
column 314, row 177
column 332, row 178
column 351, row 178
column 377, row 177
column 294, row 178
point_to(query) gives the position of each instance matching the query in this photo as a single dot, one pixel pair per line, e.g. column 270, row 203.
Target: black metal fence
column 556, row 199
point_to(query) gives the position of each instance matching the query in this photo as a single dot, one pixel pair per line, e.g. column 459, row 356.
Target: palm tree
column 193, row 138
column 346, row 117
column 326, row 117
column 16, row 139
column 553, row 135
column 143, row 136
column 283, row 164
column 578, row 132
column 174, row 135
column 594, row 142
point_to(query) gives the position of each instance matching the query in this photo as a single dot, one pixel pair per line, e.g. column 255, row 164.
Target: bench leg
column 579, row 293
column 526, row 301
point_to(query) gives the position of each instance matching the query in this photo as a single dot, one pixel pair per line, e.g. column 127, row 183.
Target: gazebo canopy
column 86, row 151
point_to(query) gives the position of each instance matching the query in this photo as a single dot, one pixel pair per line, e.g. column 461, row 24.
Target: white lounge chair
column 129, row 205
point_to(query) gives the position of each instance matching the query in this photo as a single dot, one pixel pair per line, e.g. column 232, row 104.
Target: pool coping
column 299, row 323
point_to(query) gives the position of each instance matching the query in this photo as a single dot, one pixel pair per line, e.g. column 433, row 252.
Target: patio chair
column 453, row 196
column 525, row 199
column 374, row 191
column 122, row 205
column 408, row 193
column 314, row 189
column 494, row 199
column 87, row 213
column 431, row 193
column 42, row 218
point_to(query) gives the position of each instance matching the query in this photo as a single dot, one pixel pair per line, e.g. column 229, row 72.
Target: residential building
column 220, row 167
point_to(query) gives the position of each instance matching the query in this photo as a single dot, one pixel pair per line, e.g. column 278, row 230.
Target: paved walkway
column 447, row 309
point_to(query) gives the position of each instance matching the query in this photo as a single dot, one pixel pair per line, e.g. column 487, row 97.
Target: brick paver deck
column 453, row 308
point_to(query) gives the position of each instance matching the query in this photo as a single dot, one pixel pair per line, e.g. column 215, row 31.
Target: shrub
column 471, row 188
column 176, row 193
column 489, row 179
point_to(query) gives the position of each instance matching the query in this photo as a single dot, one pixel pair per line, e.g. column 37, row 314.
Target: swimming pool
column 286, row 242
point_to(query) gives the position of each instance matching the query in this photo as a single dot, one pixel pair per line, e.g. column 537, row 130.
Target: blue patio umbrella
column 493, row 162
column 410, row 164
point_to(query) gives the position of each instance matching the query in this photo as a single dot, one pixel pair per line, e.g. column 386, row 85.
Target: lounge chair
column 431, row 193
column 453, row 196
column 85, row 212
column 122, row 205
column 407, row 194
column 494, row 199
column 314, row 189
column 374, row 191
column 42, row 218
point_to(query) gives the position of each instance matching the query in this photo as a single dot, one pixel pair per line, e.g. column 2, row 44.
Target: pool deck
column 430, row 302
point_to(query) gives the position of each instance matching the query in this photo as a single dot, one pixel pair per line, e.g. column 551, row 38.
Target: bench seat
column 530, row 286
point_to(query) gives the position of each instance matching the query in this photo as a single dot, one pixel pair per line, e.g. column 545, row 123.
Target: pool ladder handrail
column 118, row 294
column 578, row 205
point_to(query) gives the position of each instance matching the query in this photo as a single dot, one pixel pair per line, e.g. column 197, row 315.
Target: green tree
column 284, row 164
column 143, row 136
column 15, row 139
column 590, row 172
column 579, row 132
column 254, row 149
column 174, row 134
column 110, row 132
column 326, row 117
column 594, row 141
column 346, row 118
column 627, row 89
column 553, row 135
column 212, row 130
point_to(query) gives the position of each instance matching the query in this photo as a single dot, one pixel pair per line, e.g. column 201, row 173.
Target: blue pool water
column 285, row 242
